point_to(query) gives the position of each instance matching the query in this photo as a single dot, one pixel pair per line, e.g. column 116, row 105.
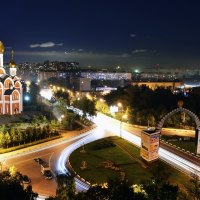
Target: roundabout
column 112, row 129
column 57, row 153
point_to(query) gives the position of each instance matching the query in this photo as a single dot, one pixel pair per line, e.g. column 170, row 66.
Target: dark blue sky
column 103, row 33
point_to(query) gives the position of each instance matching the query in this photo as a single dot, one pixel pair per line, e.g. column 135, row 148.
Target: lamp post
column 124, row 116
column 120, row 106
column 61, row 118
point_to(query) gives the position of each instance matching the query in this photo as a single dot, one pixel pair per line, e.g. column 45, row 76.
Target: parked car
column 26, row 179
column 44, row 167
column 39, row 160
column 48, row 174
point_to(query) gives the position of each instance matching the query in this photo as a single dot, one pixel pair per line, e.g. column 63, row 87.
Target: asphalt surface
column 26, row 165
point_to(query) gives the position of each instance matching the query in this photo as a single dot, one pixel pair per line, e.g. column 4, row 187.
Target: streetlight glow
column 119, row 104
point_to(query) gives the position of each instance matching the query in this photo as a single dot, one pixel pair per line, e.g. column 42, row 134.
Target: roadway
column 57, row 153
column 23, row 160
column 112, row 127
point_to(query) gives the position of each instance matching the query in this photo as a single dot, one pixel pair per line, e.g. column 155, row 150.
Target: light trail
column 10, row 155
column 97, row 134
column 114, row 128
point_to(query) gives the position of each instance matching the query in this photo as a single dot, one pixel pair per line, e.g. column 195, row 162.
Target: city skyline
column 129, row 34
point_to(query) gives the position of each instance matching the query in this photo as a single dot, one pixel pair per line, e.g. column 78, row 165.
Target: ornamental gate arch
column 191, row 114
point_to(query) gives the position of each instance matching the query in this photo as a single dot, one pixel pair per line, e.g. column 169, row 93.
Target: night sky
column 132, row 34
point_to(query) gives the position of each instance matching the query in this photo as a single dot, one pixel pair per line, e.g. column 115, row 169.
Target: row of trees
column 157, row 188
column 144, row 104
column 14, row 136
column 81, row 102
column 69, row 118
column 86, row 105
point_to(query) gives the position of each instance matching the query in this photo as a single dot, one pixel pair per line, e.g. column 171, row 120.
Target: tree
column 35, row 120
column 115, row 189
column 44, row 119
column 96, row 192
column 86, row 105
column 20, row 135
column 11, row 188
column 2, row 139
column 24, row 136
column 119, row 190
column 7, row 139
column 34, row 91
column 64, row 95
column 65, row 187
column 71, row 117
column 44, row 132
column 158, row 187
column 35, row 133
column 29, row 132
column 62, row 106
column 12, row 171
column 13, row 135
column 2, row 128
column 102, row 106
column 31, row 195
column 49, row 129
column 168, row 191
column 194, row 190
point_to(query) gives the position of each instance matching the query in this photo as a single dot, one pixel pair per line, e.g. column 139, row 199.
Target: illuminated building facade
column 11, row 93
column 105, row 75
column 154, row 85
column 80, row 84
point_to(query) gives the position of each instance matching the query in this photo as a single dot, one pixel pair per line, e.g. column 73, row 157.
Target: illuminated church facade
column 11, row 92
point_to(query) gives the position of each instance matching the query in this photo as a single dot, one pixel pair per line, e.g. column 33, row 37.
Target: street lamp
column 120, row 105
column 61, row 118
column 124, row 116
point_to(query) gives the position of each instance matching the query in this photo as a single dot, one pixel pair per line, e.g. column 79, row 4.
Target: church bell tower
column 13, row 66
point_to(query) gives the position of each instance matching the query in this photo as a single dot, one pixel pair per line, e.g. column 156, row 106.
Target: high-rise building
column 80, row 84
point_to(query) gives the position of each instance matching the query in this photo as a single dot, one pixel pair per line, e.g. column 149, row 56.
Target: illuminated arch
column 168, row 115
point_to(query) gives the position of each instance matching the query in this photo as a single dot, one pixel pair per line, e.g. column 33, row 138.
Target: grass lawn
column 126, row 156
column 187, row 145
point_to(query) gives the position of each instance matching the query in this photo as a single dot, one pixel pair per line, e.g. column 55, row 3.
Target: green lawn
column 124, row 154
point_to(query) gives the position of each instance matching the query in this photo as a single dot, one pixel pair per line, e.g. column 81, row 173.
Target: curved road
column 113, row 128
column 57, row 153
column 23, row 160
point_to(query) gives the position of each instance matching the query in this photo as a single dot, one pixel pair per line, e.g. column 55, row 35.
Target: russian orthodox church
column 11, row 92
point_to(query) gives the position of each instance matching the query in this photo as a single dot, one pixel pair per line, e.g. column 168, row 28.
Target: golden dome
column 12, row 62
column 1, row 47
